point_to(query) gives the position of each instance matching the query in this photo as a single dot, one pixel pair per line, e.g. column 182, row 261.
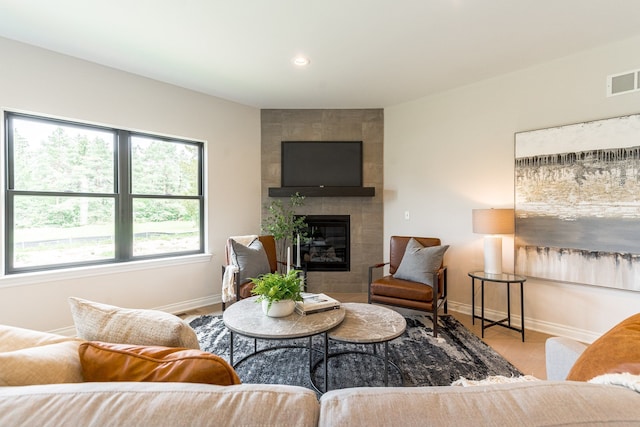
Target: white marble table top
column 245, row 317
column 367, row 323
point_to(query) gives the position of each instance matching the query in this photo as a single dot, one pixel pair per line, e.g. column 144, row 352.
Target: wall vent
column 626, row 82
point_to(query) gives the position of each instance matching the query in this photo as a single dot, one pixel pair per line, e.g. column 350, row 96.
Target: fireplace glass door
column 326, row 246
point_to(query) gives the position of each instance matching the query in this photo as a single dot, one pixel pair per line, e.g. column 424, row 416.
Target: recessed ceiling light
column 301, row 61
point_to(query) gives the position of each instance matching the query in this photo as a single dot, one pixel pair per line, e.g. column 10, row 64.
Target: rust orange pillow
column 618, row 348
column 105, row 362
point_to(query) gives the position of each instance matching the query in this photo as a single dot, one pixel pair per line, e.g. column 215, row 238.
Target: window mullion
column 124, row 219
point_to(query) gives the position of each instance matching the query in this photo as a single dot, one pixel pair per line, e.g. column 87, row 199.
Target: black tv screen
column 321, row 163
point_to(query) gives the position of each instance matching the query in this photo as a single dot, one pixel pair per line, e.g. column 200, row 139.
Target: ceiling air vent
column 617, row 84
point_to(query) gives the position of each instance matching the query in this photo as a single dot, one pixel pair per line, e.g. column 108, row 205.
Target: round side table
column 508, row 279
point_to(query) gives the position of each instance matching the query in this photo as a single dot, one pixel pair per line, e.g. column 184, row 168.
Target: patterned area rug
column 421, row 360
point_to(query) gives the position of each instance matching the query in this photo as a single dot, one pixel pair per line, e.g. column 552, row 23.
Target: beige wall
column 452, row 152
column 39, row 81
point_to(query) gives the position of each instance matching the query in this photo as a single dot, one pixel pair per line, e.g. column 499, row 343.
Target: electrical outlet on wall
column 407, row 216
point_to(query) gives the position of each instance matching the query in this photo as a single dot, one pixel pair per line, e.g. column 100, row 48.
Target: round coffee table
column 246, row 318
column 369, row 324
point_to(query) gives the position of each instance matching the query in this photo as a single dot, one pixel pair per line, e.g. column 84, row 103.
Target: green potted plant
column 284, row 224
column 278, row 292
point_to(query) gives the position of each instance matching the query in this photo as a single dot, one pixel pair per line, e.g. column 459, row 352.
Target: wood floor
column 527, row 356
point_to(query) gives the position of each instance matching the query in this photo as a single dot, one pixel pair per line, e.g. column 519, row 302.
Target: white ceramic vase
column 278, row 308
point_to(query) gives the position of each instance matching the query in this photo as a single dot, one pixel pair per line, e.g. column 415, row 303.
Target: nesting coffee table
column 369, row 324
column 355, row 323
column 246, row 318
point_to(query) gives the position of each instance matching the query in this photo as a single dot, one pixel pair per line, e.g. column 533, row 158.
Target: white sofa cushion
column 535, row 403
column 158, row 404
column 14, row 338
column 31, row 357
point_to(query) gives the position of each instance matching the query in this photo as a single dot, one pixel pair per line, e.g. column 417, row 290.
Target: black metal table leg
column 231, row 347
column 326, row 362
column 309, row 347
column 482, row 307
column 473, row 301
column 522, row 309
column 386, row 363
column 509, row 304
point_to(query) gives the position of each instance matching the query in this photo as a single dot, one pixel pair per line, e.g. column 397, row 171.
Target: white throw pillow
column 101, row 322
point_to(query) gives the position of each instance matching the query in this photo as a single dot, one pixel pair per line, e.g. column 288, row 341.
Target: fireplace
column 326, row 246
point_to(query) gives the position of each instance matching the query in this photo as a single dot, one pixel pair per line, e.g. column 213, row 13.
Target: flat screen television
column 321, row 164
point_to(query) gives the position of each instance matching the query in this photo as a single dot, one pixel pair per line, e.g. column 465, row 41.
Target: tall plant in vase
column 284, row 224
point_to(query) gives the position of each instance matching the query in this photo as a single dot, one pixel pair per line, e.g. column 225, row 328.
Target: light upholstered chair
column 614, row 358
column 417, row 277
column 246, row 257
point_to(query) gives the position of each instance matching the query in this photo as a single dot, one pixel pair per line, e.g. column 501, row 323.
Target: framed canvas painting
column 577, row 202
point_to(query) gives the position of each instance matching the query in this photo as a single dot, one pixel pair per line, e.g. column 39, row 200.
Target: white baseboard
column 183, row 306
column 554, row 329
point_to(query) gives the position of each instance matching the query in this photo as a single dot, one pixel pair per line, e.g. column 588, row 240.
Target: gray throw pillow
column 251, row 260
column 419, row 262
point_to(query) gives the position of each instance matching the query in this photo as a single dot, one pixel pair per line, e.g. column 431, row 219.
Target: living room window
column 79, row 194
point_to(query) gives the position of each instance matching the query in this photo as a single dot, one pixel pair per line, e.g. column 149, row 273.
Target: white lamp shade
column 493, row 221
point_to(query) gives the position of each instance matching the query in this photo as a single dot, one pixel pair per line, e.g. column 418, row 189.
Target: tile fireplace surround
column 366, row 125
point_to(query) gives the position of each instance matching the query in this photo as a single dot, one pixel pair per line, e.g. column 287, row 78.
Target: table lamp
column 492, row 223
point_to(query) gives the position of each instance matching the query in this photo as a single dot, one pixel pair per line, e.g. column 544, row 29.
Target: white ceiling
column 364, row 53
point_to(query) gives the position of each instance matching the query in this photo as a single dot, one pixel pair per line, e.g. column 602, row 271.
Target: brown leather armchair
column 243, row 290
column 389, row 290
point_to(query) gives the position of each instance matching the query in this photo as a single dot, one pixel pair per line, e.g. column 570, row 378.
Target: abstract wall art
column 577, row 201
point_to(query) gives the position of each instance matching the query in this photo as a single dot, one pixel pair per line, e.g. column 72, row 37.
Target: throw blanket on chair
column 228, row 288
